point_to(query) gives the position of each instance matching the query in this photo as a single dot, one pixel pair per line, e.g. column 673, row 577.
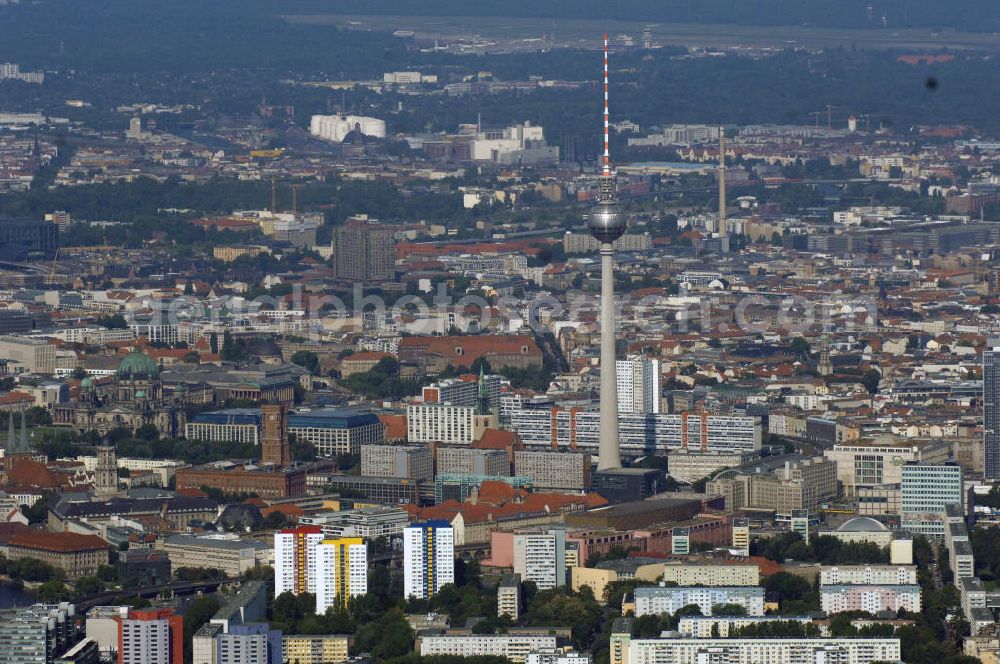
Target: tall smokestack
column 722, row 182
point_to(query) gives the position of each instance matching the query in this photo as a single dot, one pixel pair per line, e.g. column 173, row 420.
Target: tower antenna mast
column 606, row 159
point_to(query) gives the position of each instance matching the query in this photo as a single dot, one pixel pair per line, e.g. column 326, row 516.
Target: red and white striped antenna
column 606, row 160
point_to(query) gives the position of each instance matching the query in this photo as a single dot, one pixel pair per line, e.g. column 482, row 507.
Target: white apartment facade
column 758, row 651
column 410, row 461
column 654, row 600
column 638, row 384
column 514, row 647
column 428, row 558
column 441, row 423
column 540, row 557
column 640, row 433
column 873, row 598
column 145, row 642
column 295, row 561
column 868, row 575
column 684, row 574
column 341, row 572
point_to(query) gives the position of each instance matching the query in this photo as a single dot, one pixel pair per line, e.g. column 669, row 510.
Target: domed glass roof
column 862, row 524
column 138, row 365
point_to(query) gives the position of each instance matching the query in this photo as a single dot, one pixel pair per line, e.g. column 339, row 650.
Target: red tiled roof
column 158, row 353
column 505, row 501
column 224, row 222
column 57, row 542
column 16, row 397
column 366, row 356
column 464, row 350
column 30, row 473
column 9, row 529
column 395, row 426
column 288, row 509
column 767, row 567
column 496, row 439
column 495, row 492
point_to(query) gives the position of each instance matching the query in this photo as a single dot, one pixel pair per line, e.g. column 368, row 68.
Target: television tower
column 722, row 182
column 607, row 223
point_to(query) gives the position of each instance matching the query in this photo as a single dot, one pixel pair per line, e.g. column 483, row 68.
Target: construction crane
column 828, row 112
column 52, row 270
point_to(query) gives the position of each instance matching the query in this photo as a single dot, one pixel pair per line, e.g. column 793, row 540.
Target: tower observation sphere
column 606, row 221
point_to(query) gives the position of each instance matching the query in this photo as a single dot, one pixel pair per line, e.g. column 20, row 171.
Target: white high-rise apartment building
column 428, row 558
column 991, row 413
column 333, row 569
column 295, row 560
column 638, row 385
column 441, row 423
column 461, row 392
column 341, row 572
column 148, row 637
column 541, row 557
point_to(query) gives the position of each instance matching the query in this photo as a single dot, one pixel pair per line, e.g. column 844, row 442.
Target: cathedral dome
column 87, row 384
column 138, row 365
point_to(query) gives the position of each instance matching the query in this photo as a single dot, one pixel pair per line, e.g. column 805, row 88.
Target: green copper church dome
column 87, row 383
column 138, row 365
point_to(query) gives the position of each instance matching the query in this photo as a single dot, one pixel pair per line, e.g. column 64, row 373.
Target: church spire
column 18, row 444
column 483, row 396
